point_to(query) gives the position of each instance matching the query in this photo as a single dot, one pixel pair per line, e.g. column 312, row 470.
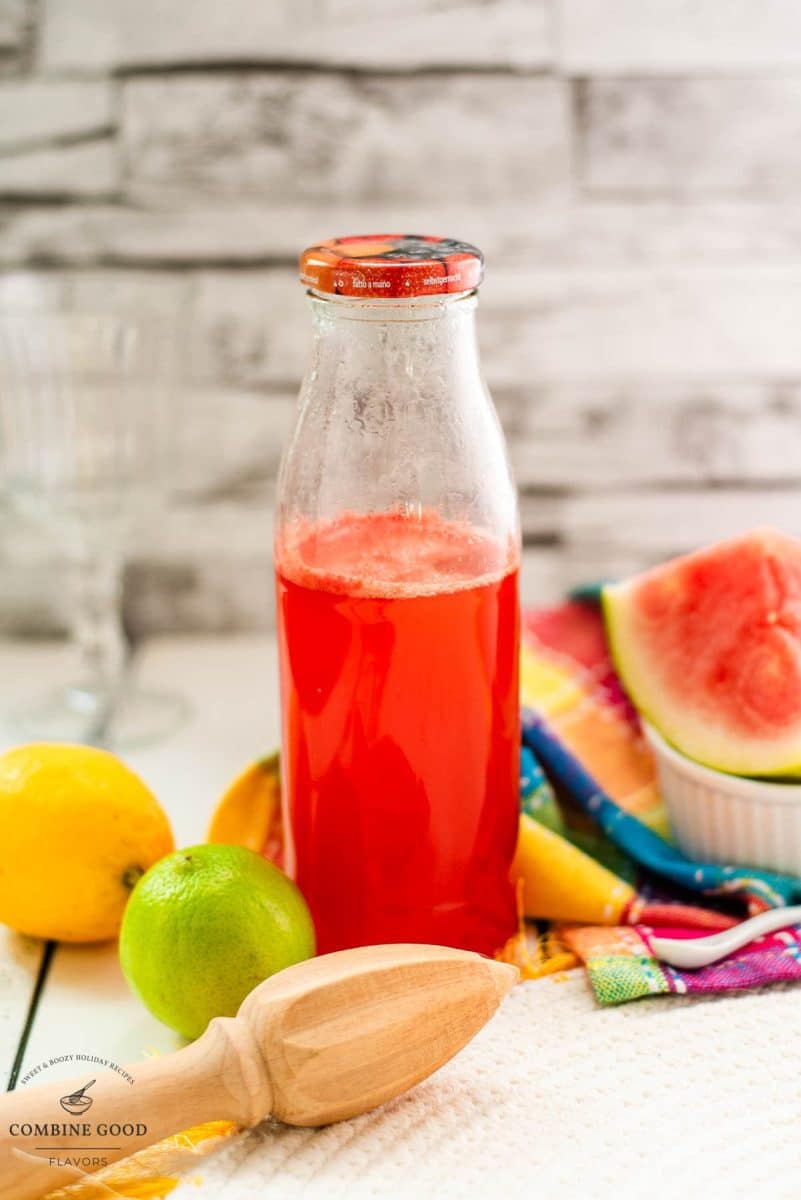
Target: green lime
column 204, row 926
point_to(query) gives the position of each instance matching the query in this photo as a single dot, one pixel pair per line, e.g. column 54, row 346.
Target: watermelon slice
column 709, row 649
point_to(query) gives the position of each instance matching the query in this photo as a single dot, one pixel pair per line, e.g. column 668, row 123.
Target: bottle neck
column 427, row 344
column 394, row 417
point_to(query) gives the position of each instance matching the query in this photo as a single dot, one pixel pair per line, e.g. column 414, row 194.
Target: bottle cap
column 391, row 265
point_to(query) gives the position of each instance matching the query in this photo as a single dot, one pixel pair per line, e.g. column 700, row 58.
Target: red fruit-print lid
column 391, row 265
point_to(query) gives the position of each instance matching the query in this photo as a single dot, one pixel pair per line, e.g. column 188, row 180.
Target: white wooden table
column 85, row 1005
column 672, row 1096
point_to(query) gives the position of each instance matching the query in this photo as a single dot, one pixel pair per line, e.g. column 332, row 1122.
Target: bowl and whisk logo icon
column 78, row 1102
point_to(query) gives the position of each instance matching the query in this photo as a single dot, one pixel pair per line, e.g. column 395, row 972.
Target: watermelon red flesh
column 709, row 648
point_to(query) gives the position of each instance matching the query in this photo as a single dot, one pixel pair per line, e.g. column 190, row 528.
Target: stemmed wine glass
column 87, row 427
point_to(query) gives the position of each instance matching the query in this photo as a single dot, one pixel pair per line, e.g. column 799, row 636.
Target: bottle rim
column 396, row 308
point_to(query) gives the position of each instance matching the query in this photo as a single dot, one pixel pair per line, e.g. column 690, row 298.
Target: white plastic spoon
column 700, row 952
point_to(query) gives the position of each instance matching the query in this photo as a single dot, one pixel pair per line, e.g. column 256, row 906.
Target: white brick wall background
column 630, row 168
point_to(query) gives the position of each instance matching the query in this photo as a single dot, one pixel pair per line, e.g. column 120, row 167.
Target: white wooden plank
column 232, row 688
column 208, row 567
column 211, row 568
column 32, row 596
column 294, row 136
column 208, row 564
column 636, row 377
column 568, row 435
column 552, row 573
column 677, row 36
column 26, row 670
column 81, row 169
column 104, row 34
column 231, row 685
column 231, row 442
column 545, row 326
column 609, row 535
column 211, row 593
column 251, row 327
column 691, row 137
column 24, row 290
column 36, row 110
column 646, row 324
column 542, row 575
column 13, row 23
column 20, row 959
column 87, row 1008
column 655, row 524
column 169, row 294
column 653, row 432
column 536, row 235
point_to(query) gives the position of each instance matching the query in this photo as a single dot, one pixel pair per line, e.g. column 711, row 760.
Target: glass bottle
column 397, row 555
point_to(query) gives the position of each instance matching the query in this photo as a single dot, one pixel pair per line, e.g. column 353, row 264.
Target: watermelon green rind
column 688, row 722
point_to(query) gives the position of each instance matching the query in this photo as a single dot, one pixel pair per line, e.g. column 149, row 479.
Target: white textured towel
column 560, row 1098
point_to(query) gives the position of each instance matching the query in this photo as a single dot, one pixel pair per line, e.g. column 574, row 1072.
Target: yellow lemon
column 77, row 830
column 249, row 812
column 562, row 883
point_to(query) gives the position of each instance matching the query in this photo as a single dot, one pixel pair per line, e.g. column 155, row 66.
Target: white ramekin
column 724, row 818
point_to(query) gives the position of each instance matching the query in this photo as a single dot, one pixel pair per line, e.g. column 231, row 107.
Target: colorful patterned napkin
column 596, row 849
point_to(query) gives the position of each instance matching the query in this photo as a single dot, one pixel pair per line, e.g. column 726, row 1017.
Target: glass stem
column 97, row 629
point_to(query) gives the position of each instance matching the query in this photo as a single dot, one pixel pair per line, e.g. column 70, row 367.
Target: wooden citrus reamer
column 319, row 1042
